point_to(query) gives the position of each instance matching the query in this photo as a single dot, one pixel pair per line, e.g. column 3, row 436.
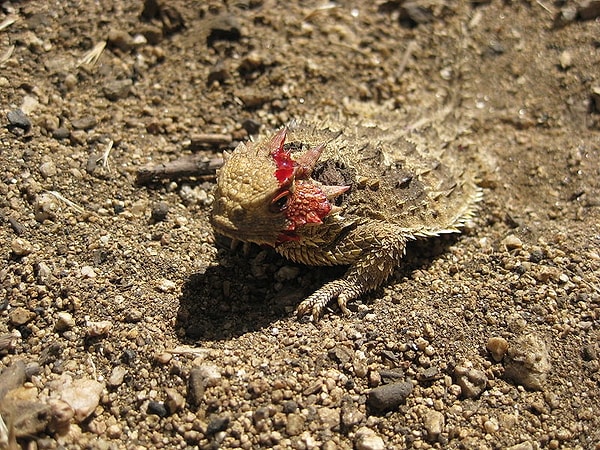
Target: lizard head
column 265, row 193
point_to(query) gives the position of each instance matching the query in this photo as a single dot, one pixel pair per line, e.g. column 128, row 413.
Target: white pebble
column 83, row 395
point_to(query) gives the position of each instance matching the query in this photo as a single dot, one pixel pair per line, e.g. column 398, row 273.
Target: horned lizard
column 354, row 196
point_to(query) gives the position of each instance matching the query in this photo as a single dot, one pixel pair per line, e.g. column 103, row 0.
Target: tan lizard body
column 342, row 197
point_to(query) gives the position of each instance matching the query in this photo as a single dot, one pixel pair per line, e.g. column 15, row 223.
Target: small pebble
column 163, row 358
column 157, row 408
column 367, row 439
column 88, row 272
column 497, row 346
column 45, row 207
column 47, row 169
column 472, row 381
column 511, row 242
column 566, row 59
column 165, row 285
column 100, row 328
column 43, row 273
column 83, row 395
column 21, row 247
column 491, row 426
column 117, row 89
column 120, row 39
column 528, row 362
column 351, row 415
column 61, row 133
column 217, row 424
column 20, row 316
column 200, row 377
column 175, row 401
column 295, row 424
column 340, row 354
column 18, row 121
column 64, row 321
column 84, row 123
column 133, row 315
column 160, row 211
column 117, row 376
column 434, row 424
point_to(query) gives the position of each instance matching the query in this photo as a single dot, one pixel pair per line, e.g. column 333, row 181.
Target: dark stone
column 223, row 28
column 251, row 126
column 117, row 89
column 536, row 256
column 129, row 356
column 18, row 122
column 84, row 123
column 340, row 354
column 389, row 396
column 160, row 211
column 196, row 385
column 158, row 409
column 290, row 407
column 217, row 424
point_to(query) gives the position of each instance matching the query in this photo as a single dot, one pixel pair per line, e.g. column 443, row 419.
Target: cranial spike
column 332, row 192
column 277, row 141
column 313, row 218
column 306, row 163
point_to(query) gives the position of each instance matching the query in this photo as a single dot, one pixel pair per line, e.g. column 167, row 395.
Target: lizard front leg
column 373, row 250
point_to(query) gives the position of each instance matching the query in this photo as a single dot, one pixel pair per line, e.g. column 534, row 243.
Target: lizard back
column 423, row 189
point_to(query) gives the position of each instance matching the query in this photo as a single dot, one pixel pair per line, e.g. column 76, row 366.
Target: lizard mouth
column 223, row 226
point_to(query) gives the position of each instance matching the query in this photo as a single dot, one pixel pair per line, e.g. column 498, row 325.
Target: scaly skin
column 324, row 198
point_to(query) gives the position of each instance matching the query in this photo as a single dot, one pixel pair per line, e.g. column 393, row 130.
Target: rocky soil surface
column 125, row 323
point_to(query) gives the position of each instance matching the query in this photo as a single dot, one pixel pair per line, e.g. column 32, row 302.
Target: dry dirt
column 138, row 329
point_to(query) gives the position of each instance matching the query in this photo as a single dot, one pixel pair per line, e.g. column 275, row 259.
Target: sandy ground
column 126, row 324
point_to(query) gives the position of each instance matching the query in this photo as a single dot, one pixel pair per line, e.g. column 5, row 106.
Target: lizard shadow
column 249, row 293
column 243, row 294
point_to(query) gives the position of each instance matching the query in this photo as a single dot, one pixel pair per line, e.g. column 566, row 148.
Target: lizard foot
column 343, row 290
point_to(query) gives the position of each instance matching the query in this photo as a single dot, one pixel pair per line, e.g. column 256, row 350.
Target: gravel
column 125, row 323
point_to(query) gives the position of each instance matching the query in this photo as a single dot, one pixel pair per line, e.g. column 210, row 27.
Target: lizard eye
column 280, row 201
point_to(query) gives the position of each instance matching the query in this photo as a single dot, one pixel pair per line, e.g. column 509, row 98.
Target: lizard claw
column 314, row 305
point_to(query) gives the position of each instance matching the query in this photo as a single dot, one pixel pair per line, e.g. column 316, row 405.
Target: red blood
column 285, row 165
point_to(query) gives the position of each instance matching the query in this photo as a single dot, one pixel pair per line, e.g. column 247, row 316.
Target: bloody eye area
column 280, row 201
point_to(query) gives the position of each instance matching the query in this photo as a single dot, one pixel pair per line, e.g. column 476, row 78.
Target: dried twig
column 92, row 57
column 7, row 54
column 68, row 202
column 8, row 22
column 105, row 155
column 210, row 140
column 410, row 48
column 548, row 10
column 193, row 165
